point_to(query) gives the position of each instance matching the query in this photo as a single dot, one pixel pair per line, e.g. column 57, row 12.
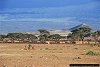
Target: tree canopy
column 80, row 33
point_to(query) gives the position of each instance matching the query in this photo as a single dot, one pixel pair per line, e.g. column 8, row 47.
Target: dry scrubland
column 52, row 55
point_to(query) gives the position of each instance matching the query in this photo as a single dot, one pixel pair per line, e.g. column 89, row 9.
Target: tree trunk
column 82, row 41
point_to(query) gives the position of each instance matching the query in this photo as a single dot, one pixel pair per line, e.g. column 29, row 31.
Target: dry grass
column 52, row 55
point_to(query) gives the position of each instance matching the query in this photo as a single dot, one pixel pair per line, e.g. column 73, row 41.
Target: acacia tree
column 43, row 31
column 80, row 33
column 32, row 38
column 2, row 37
column 96, row 35
column 12, row 36
column 44, row 34
column 55, row 37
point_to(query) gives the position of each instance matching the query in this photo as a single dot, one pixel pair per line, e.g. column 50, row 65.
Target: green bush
column 46, row 48
column 92, row 53
column 98, row 45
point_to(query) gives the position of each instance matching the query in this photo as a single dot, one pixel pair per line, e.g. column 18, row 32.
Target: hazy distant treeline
column 25, row 37
column 81, row 34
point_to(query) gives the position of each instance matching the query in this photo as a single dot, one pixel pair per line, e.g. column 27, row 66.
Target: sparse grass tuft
column 91, row 53
column 46, row 48
column 75, row 48
column 92, row 45
column 54, row 49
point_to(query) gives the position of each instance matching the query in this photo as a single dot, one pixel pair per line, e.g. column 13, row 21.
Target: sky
column 31, row 15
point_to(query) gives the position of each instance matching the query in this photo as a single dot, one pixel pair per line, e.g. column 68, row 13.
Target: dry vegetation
column 52, row 55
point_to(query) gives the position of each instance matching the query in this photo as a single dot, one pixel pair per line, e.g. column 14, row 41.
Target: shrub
column 98, row 45
column 46, row 48
column 92, row 53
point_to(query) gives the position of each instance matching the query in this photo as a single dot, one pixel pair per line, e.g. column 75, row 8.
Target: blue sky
column 31, row 15
column 40, row 3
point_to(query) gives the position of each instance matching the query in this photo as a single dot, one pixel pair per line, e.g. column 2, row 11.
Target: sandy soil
column 52, row 55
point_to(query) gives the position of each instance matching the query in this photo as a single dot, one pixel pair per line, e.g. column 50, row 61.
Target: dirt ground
column 52, row 55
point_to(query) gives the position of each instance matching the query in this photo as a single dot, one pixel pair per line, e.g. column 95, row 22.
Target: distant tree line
column 18, row 37
column 29, row 38
column 77, row 35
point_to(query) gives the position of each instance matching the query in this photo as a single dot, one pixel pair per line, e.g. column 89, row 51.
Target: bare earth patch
column 52, row 55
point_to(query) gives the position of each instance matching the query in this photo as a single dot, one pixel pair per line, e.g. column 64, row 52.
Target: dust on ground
column 46, row 55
